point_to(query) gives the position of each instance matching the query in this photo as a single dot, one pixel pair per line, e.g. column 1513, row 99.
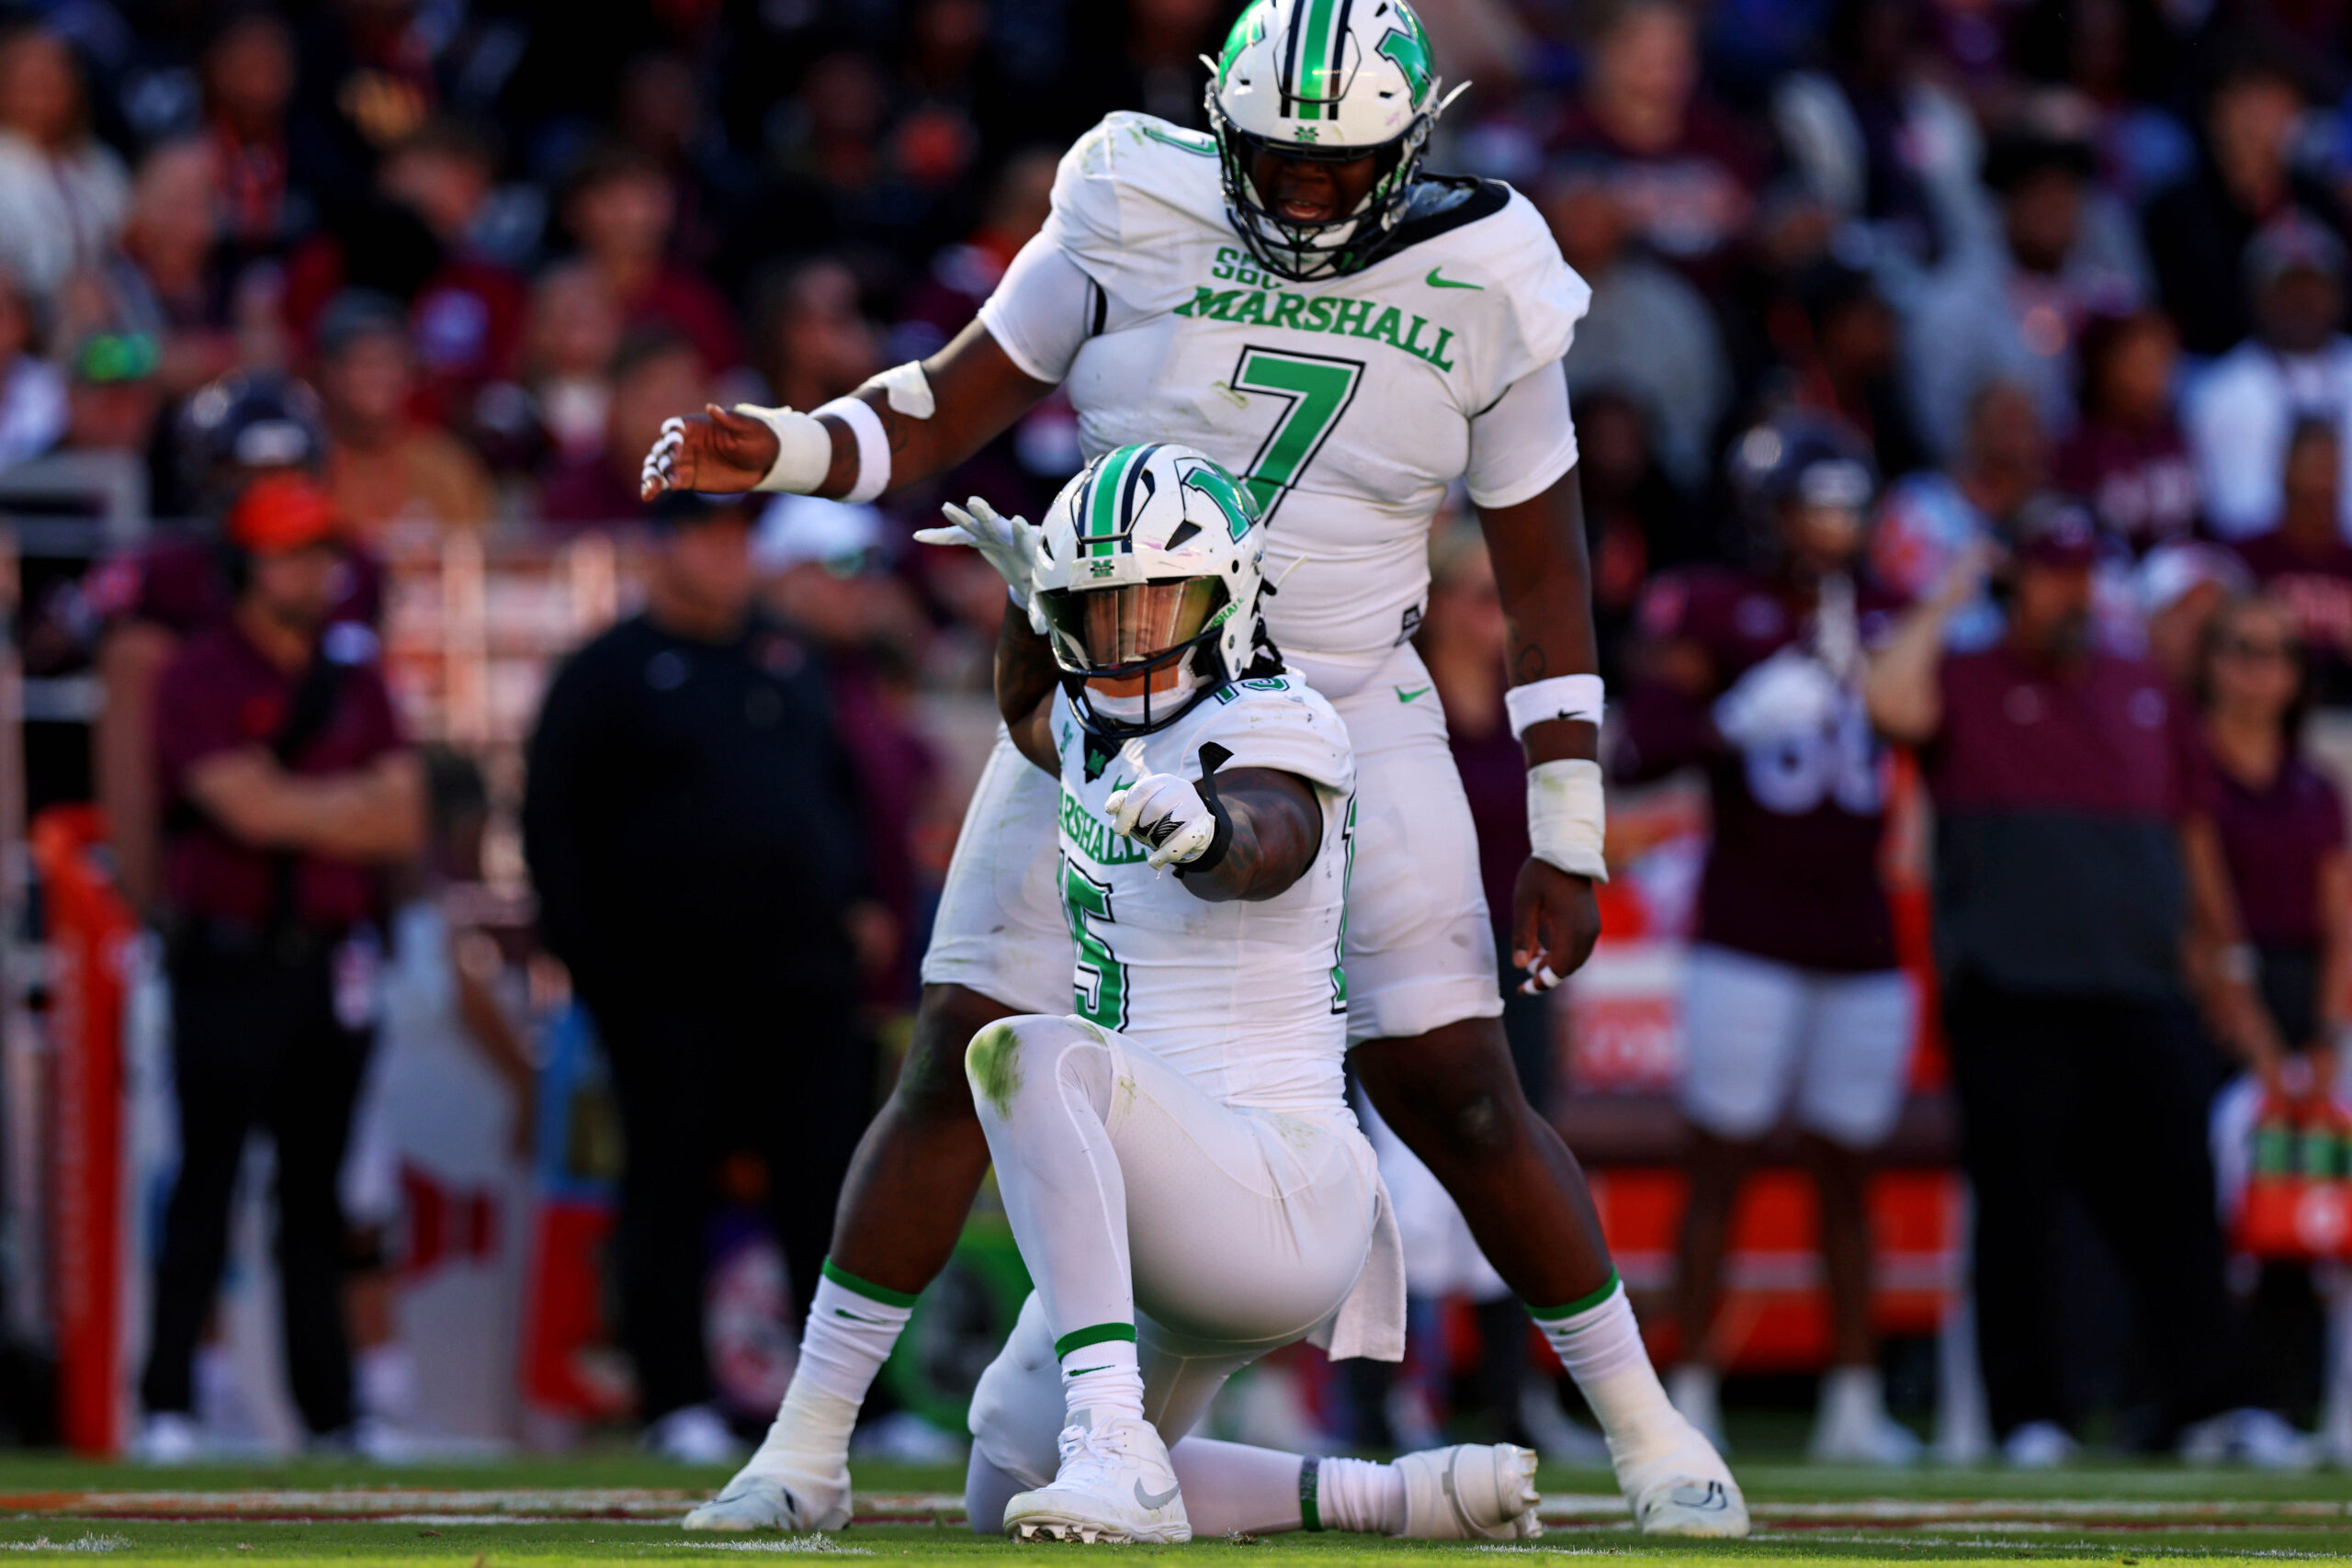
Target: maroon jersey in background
column 2140, row 482
column 1793, row 870
column 2315, row 586
column 2273, row 840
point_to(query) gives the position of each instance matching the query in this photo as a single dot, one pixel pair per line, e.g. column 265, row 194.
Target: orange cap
column 279, row 513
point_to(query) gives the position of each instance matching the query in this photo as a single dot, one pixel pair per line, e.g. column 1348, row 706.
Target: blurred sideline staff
column 245, row 426
column 2078, row 910
column 692, row 824
column 287, row 792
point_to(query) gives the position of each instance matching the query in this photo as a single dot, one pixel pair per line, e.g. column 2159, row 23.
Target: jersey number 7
column 1316, row 389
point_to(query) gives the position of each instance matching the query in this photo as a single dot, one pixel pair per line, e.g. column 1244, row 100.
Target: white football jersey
column 1246, row 999
column 1345, row 403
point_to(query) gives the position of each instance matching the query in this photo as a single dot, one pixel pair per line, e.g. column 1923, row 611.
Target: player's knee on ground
column 1037, row 1058
column 1453, row 1094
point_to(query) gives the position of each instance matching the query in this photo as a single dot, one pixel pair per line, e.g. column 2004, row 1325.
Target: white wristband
column 872, row 446
column 1562, row 696
column 804, row 449
column 1566, row 818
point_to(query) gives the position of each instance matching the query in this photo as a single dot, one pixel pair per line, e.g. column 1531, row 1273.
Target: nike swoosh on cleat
column 1434, row 281
column 1153, row 1500
column 1405, row 696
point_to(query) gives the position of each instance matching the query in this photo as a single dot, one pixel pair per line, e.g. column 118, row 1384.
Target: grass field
column 619, row 1506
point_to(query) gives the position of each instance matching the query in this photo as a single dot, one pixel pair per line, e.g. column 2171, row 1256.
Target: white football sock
column 1598, row 1342
column 1234, row 1489
column 1101, row 1379
column 1351, row 1494
column 852, row 1328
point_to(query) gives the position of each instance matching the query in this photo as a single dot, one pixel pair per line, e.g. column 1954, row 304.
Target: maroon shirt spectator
column 1792, row 867
column 2059, row 794
column 623, row 210
column 176, row 582
column 653, row 375
column 2305, row 563
column 221, row 694
column 2275, row 838
column 2127, row 458
column 1687, row 173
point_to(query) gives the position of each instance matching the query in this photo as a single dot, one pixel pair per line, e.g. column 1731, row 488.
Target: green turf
column 2297, row 1516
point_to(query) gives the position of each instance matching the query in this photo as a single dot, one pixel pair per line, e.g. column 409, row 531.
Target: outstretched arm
column 977, row 390
column 1247, row 834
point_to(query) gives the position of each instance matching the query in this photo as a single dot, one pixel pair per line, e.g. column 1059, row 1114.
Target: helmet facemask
column 1330, row 247
column 1135, row 633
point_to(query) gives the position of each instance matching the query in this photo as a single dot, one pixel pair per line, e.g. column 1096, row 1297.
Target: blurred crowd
column 2020, row 255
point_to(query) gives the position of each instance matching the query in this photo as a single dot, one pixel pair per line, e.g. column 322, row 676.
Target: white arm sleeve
column 1043, row 311
column 1524, row 442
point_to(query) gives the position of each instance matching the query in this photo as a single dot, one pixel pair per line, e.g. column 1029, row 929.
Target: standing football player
column 1293, row 297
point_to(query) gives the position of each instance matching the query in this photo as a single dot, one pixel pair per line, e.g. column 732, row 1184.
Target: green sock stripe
column 1102, row 1333
column 1582, row 1304
column 1310, row 1516
column 866, row 1288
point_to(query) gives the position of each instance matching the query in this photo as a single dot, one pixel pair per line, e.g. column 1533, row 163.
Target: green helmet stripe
column 1103, row 502
column 1316, row 76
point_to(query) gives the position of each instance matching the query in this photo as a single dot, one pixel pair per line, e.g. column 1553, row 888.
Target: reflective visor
column 1111, row 628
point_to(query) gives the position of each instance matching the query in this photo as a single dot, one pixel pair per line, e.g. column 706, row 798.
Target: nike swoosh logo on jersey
column 1405, row 696
column 1153, row 1500
column 1436, row 282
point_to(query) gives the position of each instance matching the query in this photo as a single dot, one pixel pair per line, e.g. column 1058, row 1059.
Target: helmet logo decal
column 1238, row 509
column 1305, row 132
column 1408, row 48
column 1249, row 30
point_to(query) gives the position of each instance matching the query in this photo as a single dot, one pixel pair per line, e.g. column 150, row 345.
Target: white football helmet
column 1151, row 558
column 1327, row 81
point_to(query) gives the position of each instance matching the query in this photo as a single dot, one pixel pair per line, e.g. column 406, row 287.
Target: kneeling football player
column 1176, row 1154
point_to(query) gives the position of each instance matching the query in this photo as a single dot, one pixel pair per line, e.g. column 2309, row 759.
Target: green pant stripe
column 1582, row 1304
column 1310, row 1513
column 866, row 1288
column 1102, row 1333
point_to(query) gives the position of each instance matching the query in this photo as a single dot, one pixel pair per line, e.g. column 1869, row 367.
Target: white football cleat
column 1688, row 1491
column 1114, row 1484
column 1470, row 1492
column 780, row 1489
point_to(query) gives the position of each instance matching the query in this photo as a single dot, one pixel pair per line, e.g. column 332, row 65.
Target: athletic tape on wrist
column 872, row 446
column 1566, row 818
column 1562, row 696
column 804, row 449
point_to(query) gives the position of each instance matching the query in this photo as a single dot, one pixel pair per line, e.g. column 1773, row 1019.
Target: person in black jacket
column 692, row 827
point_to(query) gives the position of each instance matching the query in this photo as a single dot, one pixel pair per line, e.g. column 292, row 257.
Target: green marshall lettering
column 1323, row 313
column 1094, row 838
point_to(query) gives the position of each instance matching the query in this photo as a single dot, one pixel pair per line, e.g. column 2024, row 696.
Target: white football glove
column 1788, row 694
column 1167, row 816
column 1008, row 544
